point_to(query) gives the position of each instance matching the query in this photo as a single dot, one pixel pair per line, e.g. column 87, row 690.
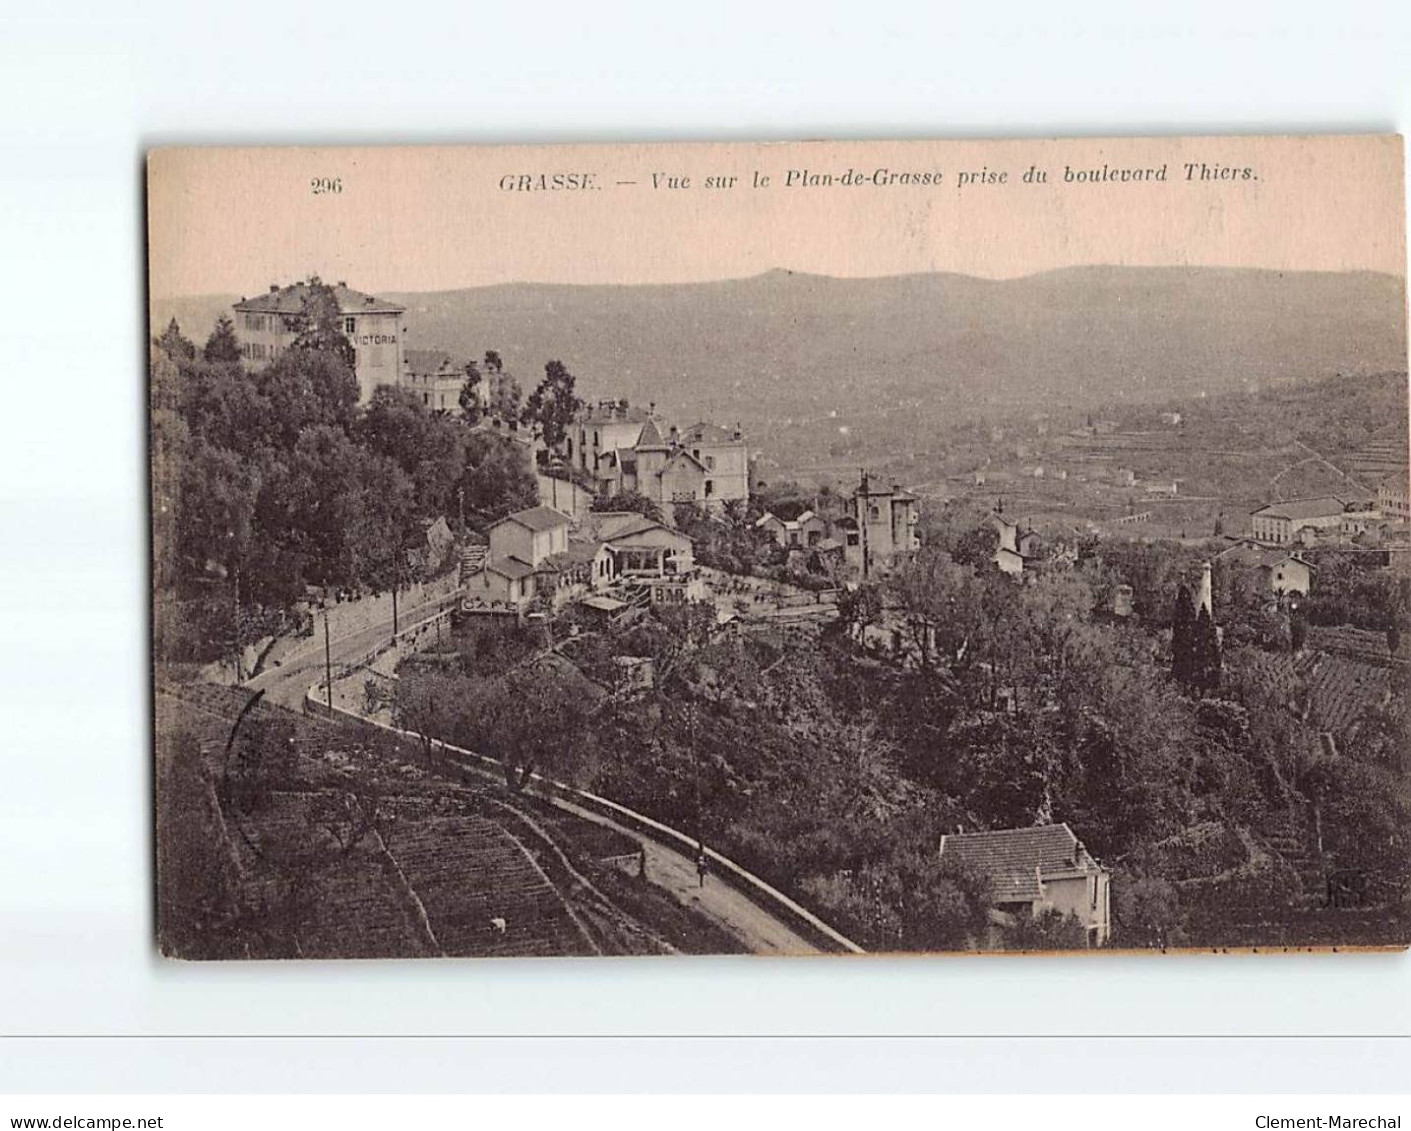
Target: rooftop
column 1015, row 860
column 704, row 432
column 650, row 436
column 426, row 361
column 1295, row 509
column 290, row 300
column 510, row 567
column 610, row 412
column 536, row 518
column 640, row 525
column 1247, row 553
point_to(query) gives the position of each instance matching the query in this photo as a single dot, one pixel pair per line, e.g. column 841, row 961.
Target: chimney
column 738, row 433
column 675, row 436
column 652, row 408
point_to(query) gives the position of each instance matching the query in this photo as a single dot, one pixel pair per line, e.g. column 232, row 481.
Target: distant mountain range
column 790, row 347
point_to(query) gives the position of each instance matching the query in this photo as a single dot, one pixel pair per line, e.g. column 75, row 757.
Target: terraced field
column 471, row 875
column 457, row 872
column 1332, row 691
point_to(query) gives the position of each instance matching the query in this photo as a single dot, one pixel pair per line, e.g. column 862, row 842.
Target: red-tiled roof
column 512, row 568
column 580, row 551
column 596, row 414
column 705, row 432
column 537, row 519
column 682, row 454
column 640, row 525
column 1015, row 860
column 426, row 361
column 1246, row 553
column 290, row 300
column 650, row 436
column 1295, row 509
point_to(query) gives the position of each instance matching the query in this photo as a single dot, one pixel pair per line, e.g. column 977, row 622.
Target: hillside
column 896, row 357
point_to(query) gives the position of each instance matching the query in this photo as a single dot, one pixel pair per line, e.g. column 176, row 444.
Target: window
column 425, row 398
column 710, row 463
column 709, row 488
column 852, row 539
column 873, row 513
column 350, row 325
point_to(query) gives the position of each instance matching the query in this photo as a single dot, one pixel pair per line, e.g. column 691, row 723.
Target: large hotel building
column 267, row 326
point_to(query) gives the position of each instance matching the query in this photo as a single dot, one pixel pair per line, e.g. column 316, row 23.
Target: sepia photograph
column 828, row 548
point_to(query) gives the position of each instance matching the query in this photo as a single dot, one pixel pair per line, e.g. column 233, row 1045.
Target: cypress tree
column 1182, row 639
column 1206, row 660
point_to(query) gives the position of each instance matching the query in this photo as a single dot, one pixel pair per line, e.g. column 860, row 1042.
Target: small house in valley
column 1031, row 871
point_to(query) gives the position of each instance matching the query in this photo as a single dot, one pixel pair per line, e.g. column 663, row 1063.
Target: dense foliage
column 270, row 481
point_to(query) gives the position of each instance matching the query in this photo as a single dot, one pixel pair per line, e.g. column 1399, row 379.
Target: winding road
column 286, row 682
column 674, row 871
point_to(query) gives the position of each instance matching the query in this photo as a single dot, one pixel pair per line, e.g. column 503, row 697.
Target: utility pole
column 861, row 498
column 396, row 574
column 695, row 770
column 327, row 661
column 235, row 572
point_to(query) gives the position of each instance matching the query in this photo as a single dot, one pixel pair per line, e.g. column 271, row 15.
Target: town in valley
column 463, row 647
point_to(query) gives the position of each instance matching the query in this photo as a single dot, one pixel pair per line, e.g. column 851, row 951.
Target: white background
column 86, row 89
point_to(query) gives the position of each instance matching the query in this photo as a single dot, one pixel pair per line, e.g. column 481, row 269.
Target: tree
column 493, row 362
column 222, row 347
column 419, row 704
column 1049, row 930
column 1147, row 912
column 306, row 388
column 627, row 501
column 469, row 399
column 319, row 324
column 975, row 548
column 1206, row 662
column 177, row 346
column 504, row 395
column 1365, row 819
column 552, row 406
column 530, row 720
column 1183, row 655
column 859, row 608
column 496, row 479
column 349, row 814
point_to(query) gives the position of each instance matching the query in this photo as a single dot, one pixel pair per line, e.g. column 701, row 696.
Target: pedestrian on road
column 642, row 864
column 702, row 866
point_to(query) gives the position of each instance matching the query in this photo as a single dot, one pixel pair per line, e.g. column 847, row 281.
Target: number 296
column 321, row 185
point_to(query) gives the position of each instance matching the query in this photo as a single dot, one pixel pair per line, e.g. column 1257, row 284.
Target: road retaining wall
column 558, row 794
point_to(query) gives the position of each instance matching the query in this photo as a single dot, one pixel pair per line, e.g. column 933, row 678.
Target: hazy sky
column 237, row 220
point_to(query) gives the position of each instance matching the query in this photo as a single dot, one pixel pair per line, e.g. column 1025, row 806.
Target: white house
column 1031, row 871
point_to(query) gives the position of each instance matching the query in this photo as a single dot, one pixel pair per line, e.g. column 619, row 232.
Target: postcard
column 795, row 548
